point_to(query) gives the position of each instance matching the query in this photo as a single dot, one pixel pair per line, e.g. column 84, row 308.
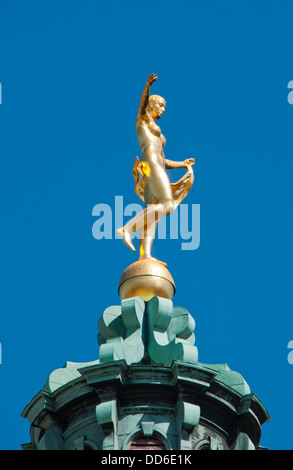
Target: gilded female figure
column 151, row 180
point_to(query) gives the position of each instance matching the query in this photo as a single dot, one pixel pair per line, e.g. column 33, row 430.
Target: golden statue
column 151, row 180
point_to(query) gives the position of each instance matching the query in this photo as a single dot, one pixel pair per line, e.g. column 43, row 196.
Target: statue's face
column 157, row 107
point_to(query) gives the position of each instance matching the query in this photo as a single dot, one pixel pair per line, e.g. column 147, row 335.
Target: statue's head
column 156, row 106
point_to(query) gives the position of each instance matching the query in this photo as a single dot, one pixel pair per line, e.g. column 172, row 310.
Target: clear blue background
column 72, row 73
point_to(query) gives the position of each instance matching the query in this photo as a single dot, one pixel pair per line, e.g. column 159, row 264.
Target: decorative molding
column 147, row 427
column 107, row 414
column 153, row 329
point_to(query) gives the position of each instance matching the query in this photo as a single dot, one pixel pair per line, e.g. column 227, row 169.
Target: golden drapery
column 180, row 189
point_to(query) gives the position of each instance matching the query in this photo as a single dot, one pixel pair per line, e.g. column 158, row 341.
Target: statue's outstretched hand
column 152, row 79
column 188, row 162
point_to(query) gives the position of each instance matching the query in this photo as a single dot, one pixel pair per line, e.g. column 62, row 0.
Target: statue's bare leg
column 148, row 232
column 143, row 220
column 159, row 190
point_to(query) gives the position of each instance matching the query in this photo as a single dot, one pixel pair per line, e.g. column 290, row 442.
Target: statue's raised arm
column 144, row 100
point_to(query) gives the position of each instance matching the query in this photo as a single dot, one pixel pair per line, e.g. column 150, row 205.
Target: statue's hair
column 156, row 98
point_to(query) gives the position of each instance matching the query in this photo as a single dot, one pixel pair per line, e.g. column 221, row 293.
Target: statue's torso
column 151, row 142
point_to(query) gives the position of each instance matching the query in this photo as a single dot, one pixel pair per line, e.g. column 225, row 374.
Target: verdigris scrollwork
column 154, row 330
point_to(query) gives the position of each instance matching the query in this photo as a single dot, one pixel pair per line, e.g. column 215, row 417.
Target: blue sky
column 72, row 73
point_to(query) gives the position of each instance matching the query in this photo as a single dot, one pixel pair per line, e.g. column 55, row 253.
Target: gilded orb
column 146, row 278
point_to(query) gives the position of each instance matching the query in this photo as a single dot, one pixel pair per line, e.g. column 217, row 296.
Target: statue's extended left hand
column 189, row 162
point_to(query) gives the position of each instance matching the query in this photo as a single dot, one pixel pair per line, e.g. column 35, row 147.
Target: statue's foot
column 153, row 259
column 126, row 237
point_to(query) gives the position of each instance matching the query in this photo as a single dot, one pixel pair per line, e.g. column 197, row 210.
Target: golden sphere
column 146, row 278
